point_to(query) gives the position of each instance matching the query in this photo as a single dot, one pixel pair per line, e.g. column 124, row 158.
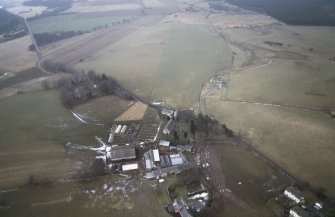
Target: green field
column 34, row 129
column 96, row 197
column 75, row 22
column 249, row 177
column 167, row 61
column 295, row 83
column 300, row 141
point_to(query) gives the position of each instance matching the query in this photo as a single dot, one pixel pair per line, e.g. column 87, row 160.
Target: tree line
column 78, row 87
column 47, row 38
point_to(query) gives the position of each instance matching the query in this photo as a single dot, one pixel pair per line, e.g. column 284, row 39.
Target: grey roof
column 124, row 152
column 294, row 191
column 300, row 211
column 184, row 213
column 170, row 125
column 165, row 161
column 184, row 147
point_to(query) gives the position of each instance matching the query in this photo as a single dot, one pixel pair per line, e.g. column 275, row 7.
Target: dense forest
column 46, row 38
column 295, row 12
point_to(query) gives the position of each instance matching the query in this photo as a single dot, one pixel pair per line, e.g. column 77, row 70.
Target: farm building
column 123, row 130
column 294, row 194
column 169, row 127
column 156, row 155
column 148, row 164
column 124, row 152
column 176, row 159
column 164, row 143
column 180, row 207
column 297, row 211
column 167, row 112
column 183, row 148
column 165, row 161
column 132, row 166
column 118, row 129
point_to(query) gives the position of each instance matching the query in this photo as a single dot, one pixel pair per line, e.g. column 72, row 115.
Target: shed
column 124, row 128
column 297, row 211
column 169, row 127
column 164, row 143
column 167, row 112
column 156, row 155
column 132, row 166
column 148, row 164
column 294, row 194
column 118, row 129
column 176, row 159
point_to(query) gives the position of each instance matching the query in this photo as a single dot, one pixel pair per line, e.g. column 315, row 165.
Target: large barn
column 124, row 152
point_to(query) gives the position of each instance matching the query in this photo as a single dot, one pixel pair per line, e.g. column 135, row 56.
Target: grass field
column 104, row 109
column 300, row 141
column 249, row 177
column 296, row 83
column 313, row 42
column 299, row 73
column 165, row 62
column 102, row 196
column 34, row 129
column 17, row 57
column 75, row 22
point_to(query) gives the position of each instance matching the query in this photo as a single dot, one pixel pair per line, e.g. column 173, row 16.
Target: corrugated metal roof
column 156, row 155
column 126, row 167
column 164, row 143
column 123, row 153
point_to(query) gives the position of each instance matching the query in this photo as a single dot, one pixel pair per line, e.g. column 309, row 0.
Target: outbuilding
column 297, row 211
column 169, row 127
column 156, row 155
column 132, row 166
column 124, row 152
column 294, row 194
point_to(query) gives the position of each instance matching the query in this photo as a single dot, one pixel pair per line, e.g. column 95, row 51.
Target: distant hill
column 9, row 21
column 294, row 12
